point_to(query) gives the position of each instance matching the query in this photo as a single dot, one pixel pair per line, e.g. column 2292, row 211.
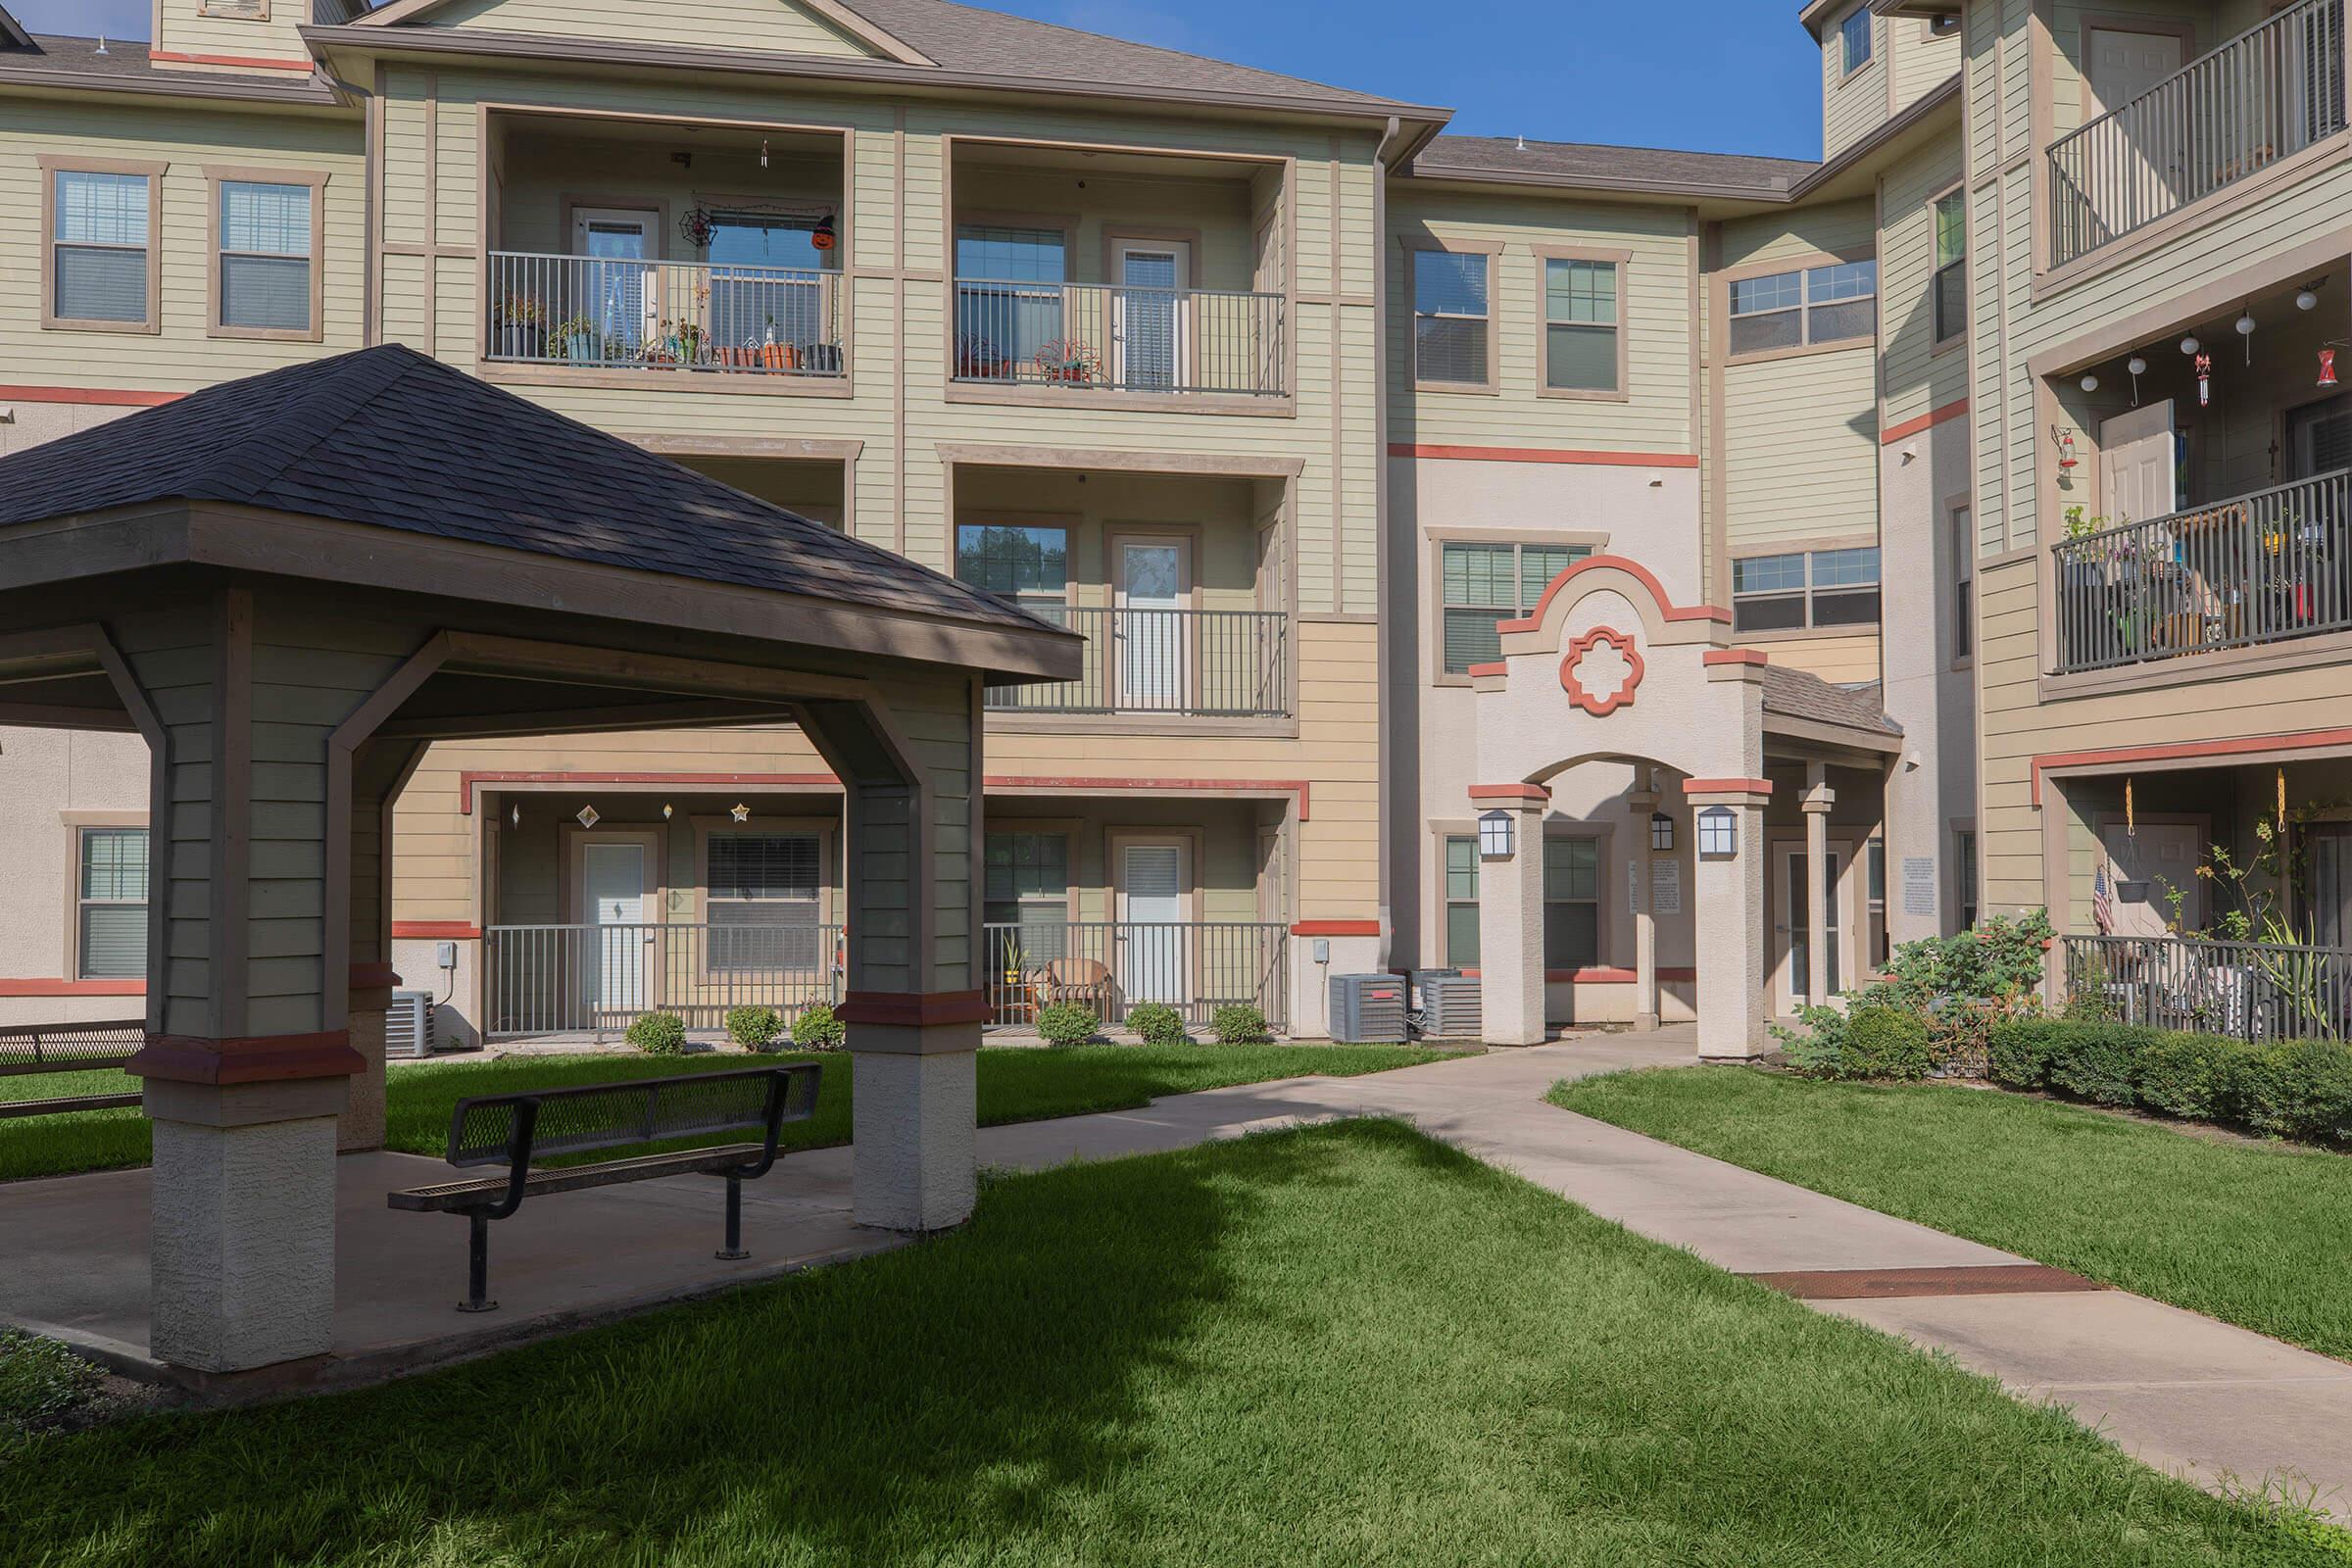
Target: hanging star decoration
column 741, row 813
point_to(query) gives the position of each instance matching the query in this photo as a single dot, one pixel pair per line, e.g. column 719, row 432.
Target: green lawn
column 1345, row 1344
column 2259, row 1235
column 1014, row 1085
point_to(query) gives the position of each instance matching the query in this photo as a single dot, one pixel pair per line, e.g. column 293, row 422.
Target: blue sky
column 1739, row 76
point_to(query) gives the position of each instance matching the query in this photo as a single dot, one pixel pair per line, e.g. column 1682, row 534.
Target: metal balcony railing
column 2251, row 990
column 1110, row 967
column 608, row 313
column 599, row 979
column 2265, row 96
column 1120, row 338
column 2258, row 569
column 1218, row 664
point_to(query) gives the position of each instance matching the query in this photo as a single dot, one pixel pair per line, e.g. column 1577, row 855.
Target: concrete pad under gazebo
column 289, row 585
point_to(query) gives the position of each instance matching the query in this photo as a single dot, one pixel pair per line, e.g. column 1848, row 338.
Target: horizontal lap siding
column 1852, row 107
column 1923, row 62
column 1918, row 379
column 1800, row 448
column 775, row 25
column 186, row 31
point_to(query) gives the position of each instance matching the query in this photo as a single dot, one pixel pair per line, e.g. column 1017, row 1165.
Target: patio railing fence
column 2247, row 990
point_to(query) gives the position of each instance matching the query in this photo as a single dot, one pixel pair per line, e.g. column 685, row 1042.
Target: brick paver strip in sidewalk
column 1865, row 1284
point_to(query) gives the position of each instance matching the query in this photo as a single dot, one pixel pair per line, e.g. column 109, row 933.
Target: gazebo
column 290, row 585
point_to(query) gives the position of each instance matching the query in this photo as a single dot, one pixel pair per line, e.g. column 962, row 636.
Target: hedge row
column 2289, row 1089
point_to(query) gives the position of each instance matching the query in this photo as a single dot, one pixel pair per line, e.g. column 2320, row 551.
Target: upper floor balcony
column 1089, row 276
column 2161, row 133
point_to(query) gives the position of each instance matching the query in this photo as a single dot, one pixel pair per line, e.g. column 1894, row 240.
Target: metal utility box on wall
column 1367, row 1008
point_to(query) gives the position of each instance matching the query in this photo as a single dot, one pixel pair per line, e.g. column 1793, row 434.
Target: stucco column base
column 1731, row 936
column 914, row 1122
column 242, row 1252
column 362, row 1124
column 1510, row 920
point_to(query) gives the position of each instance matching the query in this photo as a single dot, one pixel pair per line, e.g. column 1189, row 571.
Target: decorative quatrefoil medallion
column 1602, row 670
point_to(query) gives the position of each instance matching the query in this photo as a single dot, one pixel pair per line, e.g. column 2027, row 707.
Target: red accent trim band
column 1509, row 792
column 73, row 988
column 2295, row 741
column 1601, row 976
column 251, row 1059
column 1208, row 786
column 913, row 1008
column 1727, row 786
column 1498, row 668
column 257, row 61
column 1335, row 928
column 462, row 930
column 1533, row 619
column 467, row 781
column 1933, row 417
column 1733, row 656
column 1570, row 454
column 110, row 396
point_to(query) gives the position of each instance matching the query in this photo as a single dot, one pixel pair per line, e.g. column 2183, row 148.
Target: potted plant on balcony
column 690, row 342
column 521, row 328
column 1069, row 361
column 773, row 354
column 575, row 339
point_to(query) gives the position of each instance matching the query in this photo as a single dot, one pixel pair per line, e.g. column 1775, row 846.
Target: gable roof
column 12, row 32
column 391, row 439
column 57, row 61
column 1802, row 695
column 839, row 16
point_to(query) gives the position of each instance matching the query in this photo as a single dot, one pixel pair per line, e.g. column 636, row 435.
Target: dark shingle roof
column 125, row 64
column 389, row 438
column 1571, row 161
column 1799, row 693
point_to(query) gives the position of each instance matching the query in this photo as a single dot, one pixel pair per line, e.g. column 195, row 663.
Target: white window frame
column 1619, row 265
column 1846, row 41
column 814, row 903
column 1415, row 316
column 78, row 962
column 1593, row 843
column 217, row 181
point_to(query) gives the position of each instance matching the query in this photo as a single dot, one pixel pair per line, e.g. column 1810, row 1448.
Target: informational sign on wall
column 1633, row 886
column 1666, row 887
column 1919, row 885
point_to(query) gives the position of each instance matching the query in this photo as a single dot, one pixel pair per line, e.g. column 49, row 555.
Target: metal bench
column 513, row 1130
column 43, row 1048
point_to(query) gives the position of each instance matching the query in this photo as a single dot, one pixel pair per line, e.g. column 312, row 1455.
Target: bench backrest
column 615, row 1115
column 29, row 1047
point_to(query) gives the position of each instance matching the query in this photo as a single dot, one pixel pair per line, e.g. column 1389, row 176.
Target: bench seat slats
column 442, row 1196
column 65, row 1103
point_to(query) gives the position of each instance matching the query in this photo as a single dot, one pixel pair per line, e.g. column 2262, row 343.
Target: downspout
column 1385, row 630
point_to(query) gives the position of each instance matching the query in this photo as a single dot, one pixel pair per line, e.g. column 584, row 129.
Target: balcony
column 2260, row 98
column 1110, row 967
column 619, row 313
column 1095, row 337
column 2249, row 989
column 1200, row 663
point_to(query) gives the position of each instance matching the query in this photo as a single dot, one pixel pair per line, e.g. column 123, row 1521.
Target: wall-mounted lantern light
column 1719, row 832
column 1498, row 836
column 1661, row 831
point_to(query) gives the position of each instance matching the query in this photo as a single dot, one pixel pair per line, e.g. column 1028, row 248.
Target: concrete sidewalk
column 2216, row 1405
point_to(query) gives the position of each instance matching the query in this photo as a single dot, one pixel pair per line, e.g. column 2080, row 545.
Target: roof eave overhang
column 1932, row 112
column 13, row 33
column 849, row 21
column 882, row 73
column 229, row 537
column 1813, row 734
column 319, row 91
column 1673, row 191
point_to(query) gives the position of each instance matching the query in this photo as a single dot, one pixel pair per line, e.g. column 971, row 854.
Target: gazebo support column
column 1731, row 921
column 1510, row 918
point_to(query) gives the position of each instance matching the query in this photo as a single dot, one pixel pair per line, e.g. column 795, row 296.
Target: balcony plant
column 576, row 339
column 521, row 328
column 1067, row 361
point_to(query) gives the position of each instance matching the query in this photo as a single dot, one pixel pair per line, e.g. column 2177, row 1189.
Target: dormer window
column 1854, row 35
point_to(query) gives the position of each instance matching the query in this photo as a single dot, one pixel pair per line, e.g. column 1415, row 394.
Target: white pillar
column 1730, row 908
column 1815, row 803
column 1646, row 924
column 1510, row 918
column 913, row 1118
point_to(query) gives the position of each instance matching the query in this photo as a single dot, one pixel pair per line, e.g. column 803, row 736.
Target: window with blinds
column 99, row 260
column 1461, row 900
column 265, row 256
column 1579, row 325
column 111, row 890
column 1028, row 895
column 1450, row 318
column 1487, row 584
column 1571, row 903
column 1829, row 303
column 1951, row 264
column 1793, row 591
column 761, row 892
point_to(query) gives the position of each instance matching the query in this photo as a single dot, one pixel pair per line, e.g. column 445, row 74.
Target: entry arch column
column 1730, row 915
column 1510, row 916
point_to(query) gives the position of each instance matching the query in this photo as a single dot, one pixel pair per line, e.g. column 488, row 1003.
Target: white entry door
column 1154, row 906
column 1792, row 927
column 2135, row 465
column 1149, row 334
column 619, row 288
column 2123, row 65
column 613, row 883
column 1155, row 635
column 2146, row 868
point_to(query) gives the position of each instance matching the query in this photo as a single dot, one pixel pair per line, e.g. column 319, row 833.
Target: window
column 265, row 234
column 1876, row 891
column 1821, row 588
column 1449, row 319
column 1951, row 264
column 1964, row 582
column 761, row 901
column 1029, row 566
column 111, row 890
column 764, row 268
column 1964, row 851
column 1485, row 585
column 1853, row 36
column 101, row 265
column 1008, row 295
column 1461, row 900
column 1580, row 331
column 1571, row 903
column 1828, row 304
column 1028, row 896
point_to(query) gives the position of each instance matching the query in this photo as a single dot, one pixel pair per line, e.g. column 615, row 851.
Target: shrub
column 752, row 1027
column 2191, row 1076
column 43, row 1385
column 1817, row 1048
column 1158, row 1024
column 819, row 1028
column 2098, row 1062
column 2302, row 1089
column 1067, row 1023
column 1237, row 1023
column 659, row 1034
column 2298, row 1089
column 1886, row 1042
column 2019, row 1053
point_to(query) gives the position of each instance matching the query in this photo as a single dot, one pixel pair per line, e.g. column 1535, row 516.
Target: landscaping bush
column 2298, row 1089
column 2098, row 1062
column 1886, row 1042
column 819, row 1028
column 2191, row 1076
column 1237, row 1023
column 2018, row 1053
column 1158, row 1024
column 659, row 1034
column 752, row 1027
column 1817, row 1047
column 1067, row 1023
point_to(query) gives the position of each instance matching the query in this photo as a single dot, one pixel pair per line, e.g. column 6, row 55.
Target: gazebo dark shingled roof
column 1800, row 694
column 387, row 437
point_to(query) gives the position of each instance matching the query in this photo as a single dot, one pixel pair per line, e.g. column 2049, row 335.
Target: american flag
column 2102, row 907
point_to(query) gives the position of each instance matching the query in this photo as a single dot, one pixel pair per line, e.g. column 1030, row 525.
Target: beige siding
column 1852, row 107
column 774, row 26
column 1923, row 62
column 1918, row 379
column 186, row 28
column 1800, row 448
column 1844, row 660
column 1834, row 229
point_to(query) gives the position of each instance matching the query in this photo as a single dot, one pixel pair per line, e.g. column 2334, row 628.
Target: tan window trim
column 53, row 165
column 1848, row 74
column 1800, row 265
column 1435, row 539
column 1622, row 261
column 217, row 174
column 1959, row 189
column 77, row 825
column 1490, row 249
